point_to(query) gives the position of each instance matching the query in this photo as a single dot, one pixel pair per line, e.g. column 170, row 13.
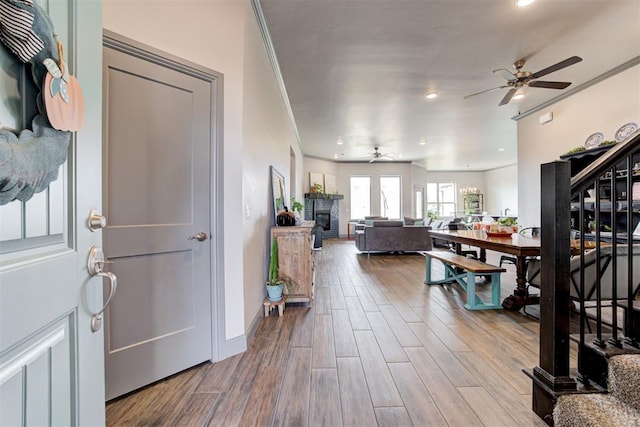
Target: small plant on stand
column 275, row 283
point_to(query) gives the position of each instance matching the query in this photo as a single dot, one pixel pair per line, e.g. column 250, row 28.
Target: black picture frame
column 278, row 193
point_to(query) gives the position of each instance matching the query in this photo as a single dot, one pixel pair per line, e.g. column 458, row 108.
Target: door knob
column 96, row 221
column 200, row 237
column 95, row 265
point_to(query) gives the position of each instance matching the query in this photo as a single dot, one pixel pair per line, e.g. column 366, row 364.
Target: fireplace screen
column 323, row 219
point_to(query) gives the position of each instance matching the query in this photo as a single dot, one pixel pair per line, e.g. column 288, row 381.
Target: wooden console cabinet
column 296, row 259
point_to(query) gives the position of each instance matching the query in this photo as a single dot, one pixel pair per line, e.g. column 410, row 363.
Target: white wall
column 268, row 135
column 502, row 189
column 223, row 35
column 498, row 186
column 603, row 107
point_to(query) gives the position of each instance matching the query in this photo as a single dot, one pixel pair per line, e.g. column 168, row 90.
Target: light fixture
column 335, row 155
column 431, row 95
column 422, row 141
column 523, row 3
column 468, row 190
column 340, row 142
column 500, row 149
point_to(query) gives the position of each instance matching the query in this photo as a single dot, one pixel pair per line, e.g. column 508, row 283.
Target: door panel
column 50, row 360
column 157, row 193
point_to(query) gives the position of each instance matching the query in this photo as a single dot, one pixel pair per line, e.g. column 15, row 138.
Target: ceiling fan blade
column 549, row 85
column 484, row 91
column 560, row 65
column 508, row 96
column 506, row 74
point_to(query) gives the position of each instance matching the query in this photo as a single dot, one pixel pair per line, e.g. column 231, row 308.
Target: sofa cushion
column 410, row 221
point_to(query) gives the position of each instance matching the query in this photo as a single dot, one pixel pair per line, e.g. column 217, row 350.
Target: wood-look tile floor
column 378, row 347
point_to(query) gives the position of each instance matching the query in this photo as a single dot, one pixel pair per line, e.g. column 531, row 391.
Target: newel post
column 551, row 378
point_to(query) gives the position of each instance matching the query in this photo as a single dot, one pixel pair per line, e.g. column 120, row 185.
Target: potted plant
column 508, row 224
column 297, row 207
column 275, row 283
column 317, row 188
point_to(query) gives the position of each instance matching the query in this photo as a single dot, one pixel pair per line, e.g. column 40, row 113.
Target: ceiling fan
column 520, row 78
column 377, row 155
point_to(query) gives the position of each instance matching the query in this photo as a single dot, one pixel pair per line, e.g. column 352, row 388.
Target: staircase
column 619, row 407
column 589, row 360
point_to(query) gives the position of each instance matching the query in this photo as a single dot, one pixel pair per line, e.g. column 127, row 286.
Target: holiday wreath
column 30, row 161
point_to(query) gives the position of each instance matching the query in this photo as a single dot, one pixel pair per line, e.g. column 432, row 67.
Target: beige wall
column 268, row 135
column 223, row 35
column 603, row 107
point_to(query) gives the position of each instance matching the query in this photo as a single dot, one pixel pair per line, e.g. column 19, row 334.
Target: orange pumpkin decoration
column 65, row 115
column 62, row 95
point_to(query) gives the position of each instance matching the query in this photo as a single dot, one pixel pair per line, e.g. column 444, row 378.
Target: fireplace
column 324, row 210
column 323, row 219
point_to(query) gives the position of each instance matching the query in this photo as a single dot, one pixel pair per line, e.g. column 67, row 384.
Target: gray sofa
column 393, row 236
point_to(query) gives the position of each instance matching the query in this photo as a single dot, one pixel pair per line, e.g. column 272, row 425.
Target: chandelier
column 468, row 190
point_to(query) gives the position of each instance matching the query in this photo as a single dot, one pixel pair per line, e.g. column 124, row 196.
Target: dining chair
column 532, row 231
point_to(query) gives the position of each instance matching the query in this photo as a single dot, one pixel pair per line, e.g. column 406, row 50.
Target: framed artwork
column 315, row 178
column 278, row 193
column 329, row 184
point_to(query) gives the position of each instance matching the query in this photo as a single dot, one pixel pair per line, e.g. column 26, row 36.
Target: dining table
column 515, row 244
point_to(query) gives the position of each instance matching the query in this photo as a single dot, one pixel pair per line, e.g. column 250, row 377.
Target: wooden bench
column 466, row 278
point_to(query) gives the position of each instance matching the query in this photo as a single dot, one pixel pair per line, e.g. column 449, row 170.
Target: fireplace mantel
column 323, row 196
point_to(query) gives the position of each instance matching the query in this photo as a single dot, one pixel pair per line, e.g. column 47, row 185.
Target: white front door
column 157, row 175
column 51, row 363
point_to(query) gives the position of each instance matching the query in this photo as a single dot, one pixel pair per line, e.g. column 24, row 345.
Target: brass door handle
column 200, row 237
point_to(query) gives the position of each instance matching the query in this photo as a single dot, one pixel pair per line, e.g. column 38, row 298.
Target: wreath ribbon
column 16, row 29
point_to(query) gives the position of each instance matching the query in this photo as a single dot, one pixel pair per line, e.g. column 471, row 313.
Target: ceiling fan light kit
column 522, row 78
column 377, row 155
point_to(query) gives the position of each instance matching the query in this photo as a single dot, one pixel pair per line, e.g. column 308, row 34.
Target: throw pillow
column 409, row 221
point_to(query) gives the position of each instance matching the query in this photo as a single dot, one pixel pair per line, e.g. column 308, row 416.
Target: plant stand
column 270, row 305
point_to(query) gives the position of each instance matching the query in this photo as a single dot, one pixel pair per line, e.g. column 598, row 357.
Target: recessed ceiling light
column 500, row 149
column 431, row 95
column 523, row 3
column 340, row 142
column 422, row 142
column 335, row 156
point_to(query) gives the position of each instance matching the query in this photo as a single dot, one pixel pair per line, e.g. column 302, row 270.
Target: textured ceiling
column 358, row 70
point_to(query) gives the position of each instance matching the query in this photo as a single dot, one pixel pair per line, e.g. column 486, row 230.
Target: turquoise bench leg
column 474, row 302
column 449, row 274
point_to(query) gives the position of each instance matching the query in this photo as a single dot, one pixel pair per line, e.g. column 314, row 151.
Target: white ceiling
column 359, row 69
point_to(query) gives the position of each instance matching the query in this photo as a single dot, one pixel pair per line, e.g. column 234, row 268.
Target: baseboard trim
column 233, row 346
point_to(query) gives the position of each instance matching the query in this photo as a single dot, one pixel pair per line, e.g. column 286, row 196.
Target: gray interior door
column 157, row 163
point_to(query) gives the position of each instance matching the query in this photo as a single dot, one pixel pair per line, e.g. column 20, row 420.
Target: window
column 360, row 195
column 441, row 198
column 418, row 201
column 390, row 192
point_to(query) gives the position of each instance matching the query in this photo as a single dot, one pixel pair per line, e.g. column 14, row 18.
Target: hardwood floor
column 378, row 347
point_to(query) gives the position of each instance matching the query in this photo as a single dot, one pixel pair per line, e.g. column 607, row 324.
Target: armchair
column 607, row 281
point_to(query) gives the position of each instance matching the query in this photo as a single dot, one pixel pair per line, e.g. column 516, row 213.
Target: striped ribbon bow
column 16, row 29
